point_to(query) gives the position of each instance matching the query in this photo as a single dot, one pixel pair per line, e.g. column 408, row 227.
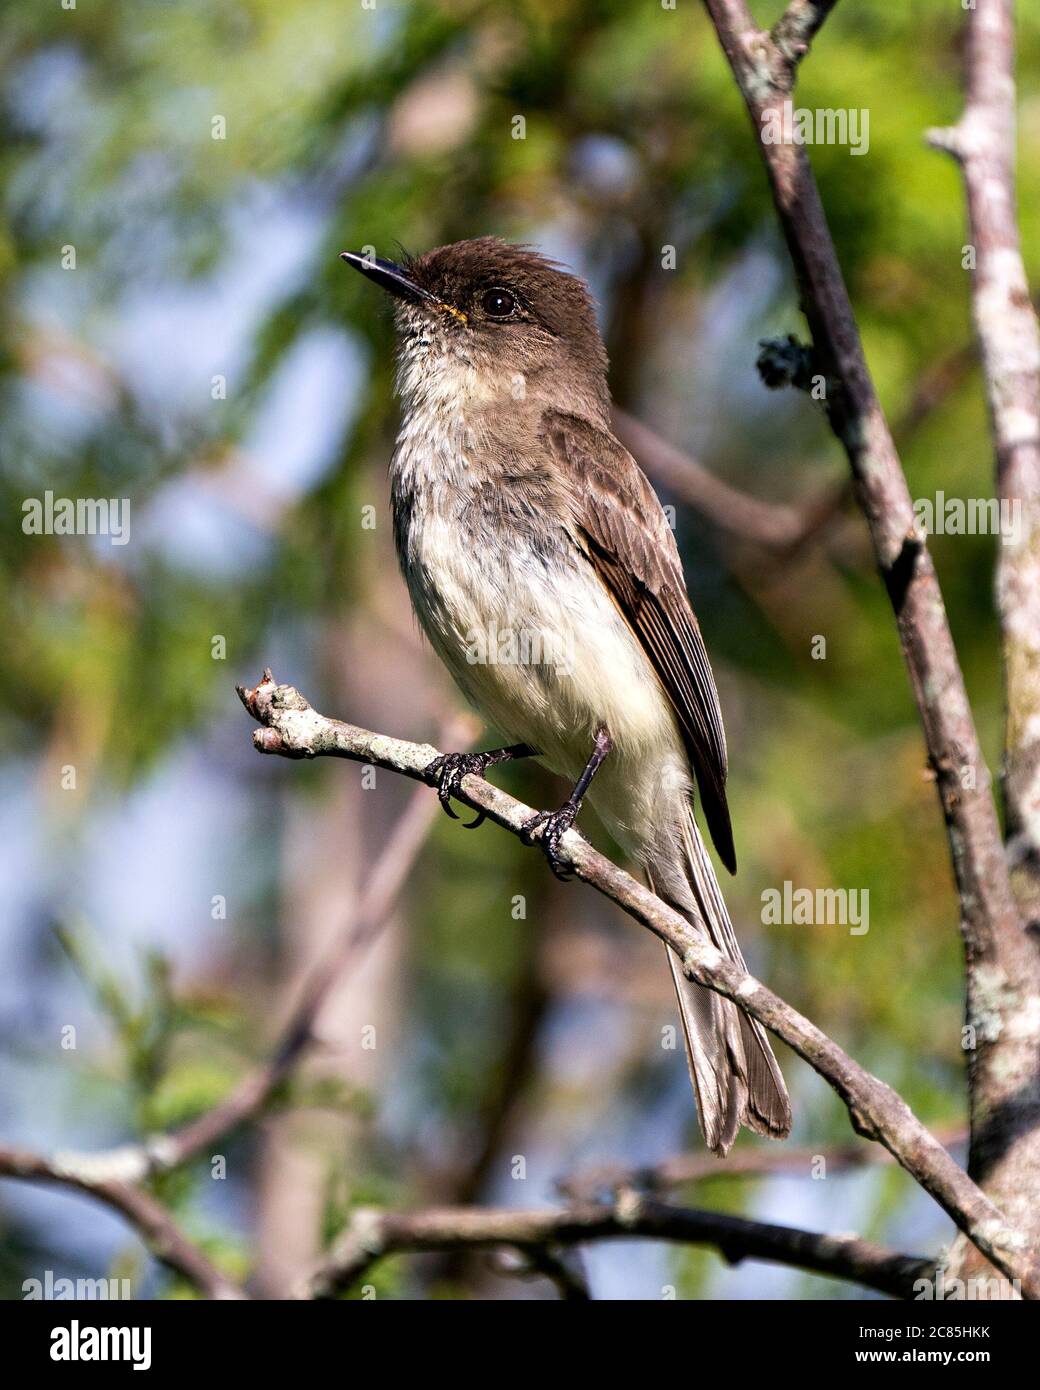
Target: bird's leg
column 447, row 772
column 555, row 824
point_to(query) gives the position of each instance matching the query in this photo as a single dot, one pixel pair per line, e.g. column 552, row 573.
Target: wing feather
column 621, row 524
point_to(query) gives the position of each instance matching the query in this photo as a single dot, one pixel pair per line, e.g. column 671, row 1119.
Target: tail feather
column 736, row 1078
column 716, row 1066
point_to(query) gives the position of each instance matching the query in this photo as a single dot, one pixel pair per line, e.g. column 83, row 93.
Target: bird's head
column 487, row 319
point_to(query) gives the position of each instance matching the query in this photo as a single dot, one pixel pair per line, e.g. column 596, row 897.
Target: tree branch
column 372, row 1235
column 148, row 1216
column 110, row 1176
column 983, row 143
column 162, row 1152
column 1005, row 1142
column 381, row 891
column 793, row 33
column 561, row 1266
column 291, row 728
column 996, row 950
column 773, row 525
column 779, row 1161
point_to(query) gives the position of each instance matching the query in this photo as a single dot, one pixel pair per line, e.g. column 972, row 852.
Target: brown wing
column 622, row 527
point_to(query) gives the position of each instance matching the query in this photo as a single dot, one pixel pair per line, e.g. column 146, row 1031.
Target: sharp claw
column 554, row 825
column 449, row 770
column 562, row 871
column 527, row 833
column 478, row 819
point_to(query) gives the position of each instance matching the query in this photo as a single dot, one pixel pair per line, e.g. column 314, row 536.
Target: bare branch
column 773, row 525
column 291, row 728
column 793, row 33
column 999, row 958
column 162, row 1152
column 1005, row 1144
column 777, row 526
column 983, row 142
column 562, row 1267
column 372, row 1235
column 381, row 891
column 148, row 1216
column 774, row 1162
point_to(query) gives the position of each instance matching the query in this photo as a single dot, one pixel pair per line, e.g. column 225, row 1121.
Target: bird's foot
column 547, row 829
column 447, row 772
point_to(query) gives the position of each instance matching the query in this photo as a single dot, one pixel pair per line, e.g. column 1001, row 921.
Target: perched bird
column 542, row 569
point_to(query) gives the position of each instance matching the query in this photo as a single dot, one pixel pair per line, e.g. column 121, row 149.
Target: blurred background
column 177, row 179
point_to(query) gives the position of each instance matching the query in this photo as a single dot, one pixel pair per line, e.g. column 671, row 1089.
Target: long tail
column 735, row 1076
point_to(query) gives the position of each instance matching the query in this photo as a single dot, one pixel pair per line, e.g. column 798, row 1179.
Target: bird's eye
column 498, row 303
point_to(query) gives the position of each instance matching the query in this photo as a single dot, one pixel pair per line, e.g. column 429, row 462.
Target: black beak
column 393, row 278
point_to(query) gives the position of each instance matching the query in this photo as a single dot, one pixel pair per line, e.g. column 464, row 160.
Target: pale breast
column 514, row 609
column 520, row 619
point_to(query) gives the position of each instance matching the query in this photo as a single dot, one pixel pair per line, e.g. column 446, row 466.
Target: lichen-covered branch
column 291, row 728
column 983, row 143
column 1005, row 1147
column 371, row 1235
column 793, row 33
